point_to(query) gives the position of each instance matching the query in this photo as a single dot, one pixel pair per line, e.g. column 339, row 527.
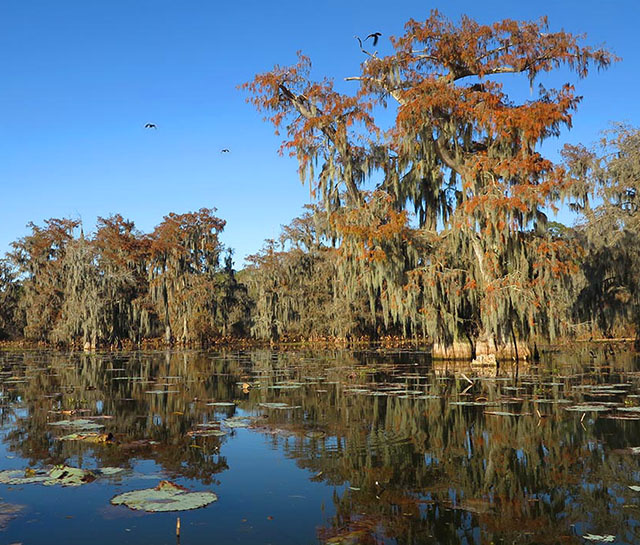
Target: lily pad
column 90, row 437
column 505, row 413
column 162, row 392
column 587, row 408
column 167, row 496
column 62, row 475
column 221, row 404
column 281, row 406
column 79, row 424
column 206, row 432
column 601, row 539
column 237, row 422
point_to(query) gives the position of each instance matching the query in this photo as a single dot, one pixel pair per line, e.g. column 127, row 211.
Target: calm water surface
column 362, row 448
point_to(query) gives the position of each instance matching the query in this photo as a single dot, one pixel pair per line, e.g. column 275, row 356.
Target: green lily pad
column 162, row 392
column 221, row 404
column 587, row 408
column 206, row 432
column 281, row 406
column 505, row 413
column 90, row 437
column 62, row 475
column 79, row 424
column 601, row 539
column 237, row 422
column 167, row 496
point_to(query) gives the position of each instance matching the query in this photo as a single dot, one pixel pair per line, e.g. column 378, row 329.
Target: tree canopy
column 481, row 264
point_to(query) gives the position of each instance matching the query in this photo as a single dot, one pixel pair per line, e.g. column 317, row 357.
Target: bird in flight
column 150, row 126
column 375, row 36
column 224, row 150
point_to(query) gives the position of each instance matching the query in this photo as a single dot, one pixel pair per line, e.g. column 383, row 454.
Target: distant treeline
column 60, row 286
column 328, row 276
column 436, row 228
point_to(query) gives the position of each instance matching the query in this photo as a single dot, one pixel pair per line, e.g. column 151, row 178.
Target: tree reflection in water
column 416, row 451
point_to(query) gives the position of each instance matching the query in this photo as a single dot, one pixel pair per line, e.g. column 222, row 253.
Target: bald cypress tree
column 481, row 266
column 606, row 187
column 11, row 315
column 39, row 258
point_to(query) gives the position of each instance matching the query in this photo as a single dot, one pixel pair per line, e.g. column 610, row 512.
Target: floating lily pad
column 62, row 475
column 587, row 408
column 281, row 406
column 206, row 432
column 221, row 404
column 601, row 539
column 90, row 437
column 161, row 392
column 79, row 424
column 237, row 422
column 474, row 403
column 505, row 413
column 167, row 496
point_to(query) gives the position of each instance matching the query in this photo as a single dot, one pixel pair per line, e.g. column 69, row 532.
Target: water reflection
column 395, row 448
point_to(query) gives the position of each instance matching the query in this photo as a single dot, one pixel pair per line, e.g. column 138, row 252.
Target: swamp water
column 329, row 447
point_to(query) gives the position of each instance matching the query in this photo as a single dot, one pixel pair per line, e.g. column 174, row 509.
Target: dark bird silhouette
column 375, row 36
column 150, row 126
column 225, row 150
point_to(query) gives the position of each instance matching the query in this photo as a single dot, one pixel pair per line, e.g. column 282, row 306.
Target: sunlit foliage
column 122, row 285
column 462, row 154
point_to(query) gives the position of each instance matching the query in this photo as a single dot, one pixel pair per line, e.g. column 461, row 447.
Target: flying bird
column 375, row 36
column 150, row 126
column 225, row 150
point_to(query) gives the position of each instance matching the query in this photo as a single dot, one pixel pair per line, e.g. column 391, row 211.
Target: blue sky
column 81, row 78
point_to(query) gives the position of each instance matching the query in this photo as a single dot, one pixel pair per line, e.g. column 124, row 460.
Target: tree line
column 60, row 286
column 435, row 227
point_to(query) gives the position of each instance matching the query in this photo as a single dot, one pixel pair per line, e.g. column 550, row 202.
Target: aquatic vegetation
column 167, row 496
column 57, row 475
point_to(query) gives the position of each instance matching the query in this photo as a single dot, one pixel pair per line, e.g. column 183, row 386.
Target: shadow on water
column 330, row 447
